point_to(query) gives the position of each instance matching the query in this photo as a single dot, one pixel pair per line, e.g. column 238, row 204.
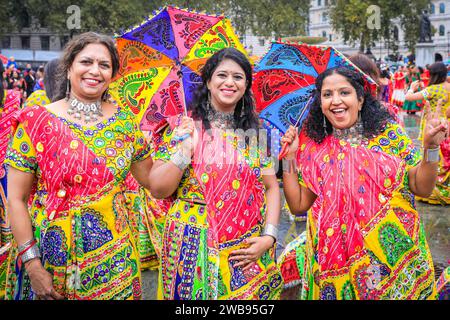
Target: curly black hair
column 374, row 117
column 199, row 105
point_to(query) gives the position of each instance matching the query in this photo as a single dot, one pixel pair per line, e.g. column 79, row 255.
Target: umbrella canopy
column 285, row 78
column 161, row 59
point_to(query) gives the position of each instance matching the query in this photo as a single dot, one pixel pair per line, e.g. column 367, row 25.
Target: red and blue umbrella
column 285, row 78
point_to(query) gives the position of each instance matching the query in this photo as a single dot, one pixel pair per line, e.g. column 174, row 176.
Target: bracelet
column 25, row 245
column 290, row 166
column 432, row 155
column 31, row 253
column 180, row 160
column 270, row 230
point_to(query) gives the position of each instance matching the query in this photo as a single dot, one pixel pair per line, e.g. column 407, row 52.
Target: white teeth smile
column 92, row 81
column 338, row 110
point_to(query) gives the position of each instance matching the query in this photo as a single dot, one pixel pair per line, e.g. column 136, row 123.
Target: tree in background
column 267, row 18
column 350, row 19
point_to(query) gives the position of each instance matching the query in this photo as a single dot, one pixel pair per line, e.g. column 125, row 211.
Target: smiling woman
column 220, row 231
column 357, row 171
column 76, row 241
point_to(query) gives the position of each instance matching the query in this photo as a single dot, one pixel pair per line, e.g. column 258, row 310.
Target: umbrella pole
column 283, row 151
column 180, row 75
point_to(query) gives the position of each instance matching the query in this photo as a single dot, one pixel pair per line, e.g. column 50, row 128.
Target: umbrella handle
column 283, row 151
column 181, row 138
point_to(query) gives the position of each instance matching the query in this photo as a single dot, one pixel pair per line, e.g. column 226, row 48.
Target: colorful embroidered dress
column 441, row 193
column 398, row 95
column 415, row 105
column 140, row 221
column 198, row 238
column 9, row 109
column 364, row 238
column 79, row 212
column 37, row 98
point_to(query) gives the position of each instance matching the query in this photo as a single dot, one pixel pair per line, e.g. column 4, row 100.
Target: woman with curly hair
column 220, row 231
column 357, row 171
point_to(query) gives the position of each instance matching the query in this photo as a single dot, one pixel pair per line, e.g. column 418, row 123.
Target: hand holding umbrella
column 284, row 149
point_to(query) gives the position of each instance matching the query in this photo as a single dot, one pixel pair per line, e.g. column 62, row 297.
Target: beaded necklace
column 220, row 120
column 353, row 135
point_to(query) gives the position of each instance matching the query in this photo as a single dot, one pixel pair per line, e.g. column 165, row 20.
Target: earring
column 359, row 124
column 325, row 127
column 106, row 96
column 243, row 107
column 68, row 89
column 208, row 103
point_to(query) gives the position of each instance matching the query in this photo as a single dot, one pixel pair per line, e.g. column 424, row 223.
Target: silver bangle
column 25, row 245
column 180, row 160
column 290, row 166
column 31, row 253
column 432, row 155
column 270, row 230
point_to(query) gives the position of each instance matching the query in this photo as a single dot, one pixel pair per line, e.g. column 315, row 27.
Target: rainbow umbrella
column 285, row 78
column 161, row 59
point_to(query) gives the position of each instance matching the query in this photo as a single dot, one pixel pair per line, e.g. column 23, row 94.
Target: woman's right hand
column 291, row 138
column 187, row 126
column 41, row 281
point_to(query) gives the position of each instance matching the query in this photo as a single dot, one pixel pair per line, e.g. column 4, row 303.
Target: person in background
column 2, row 75
column 438, row 96
column 30, row 80
column 19, row 85
column 12, row 62
column 42, row 97
column 399, row 83
column 39, row 85
column 412, row 106
column 425, row 75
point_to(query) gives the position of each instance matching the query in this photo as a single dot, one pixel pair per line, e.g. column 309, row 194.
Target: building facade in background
column 439, row 15
column 33, row 44
column 39, row 45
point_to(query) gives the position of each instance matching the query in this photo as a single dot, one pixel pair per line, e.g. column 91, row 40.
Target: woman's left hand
column 437, row 129
column 256, row 248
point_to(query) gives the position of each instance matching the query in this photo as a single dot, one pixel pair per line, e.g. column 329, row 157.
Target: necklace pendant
column 90, row 111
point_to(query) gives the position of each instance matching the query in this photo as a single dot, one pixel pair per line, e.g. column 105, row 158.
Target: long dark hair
column 74, row 47
column 49, row 78
column 199, row 106
column 438, row 73
column 373, row 115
